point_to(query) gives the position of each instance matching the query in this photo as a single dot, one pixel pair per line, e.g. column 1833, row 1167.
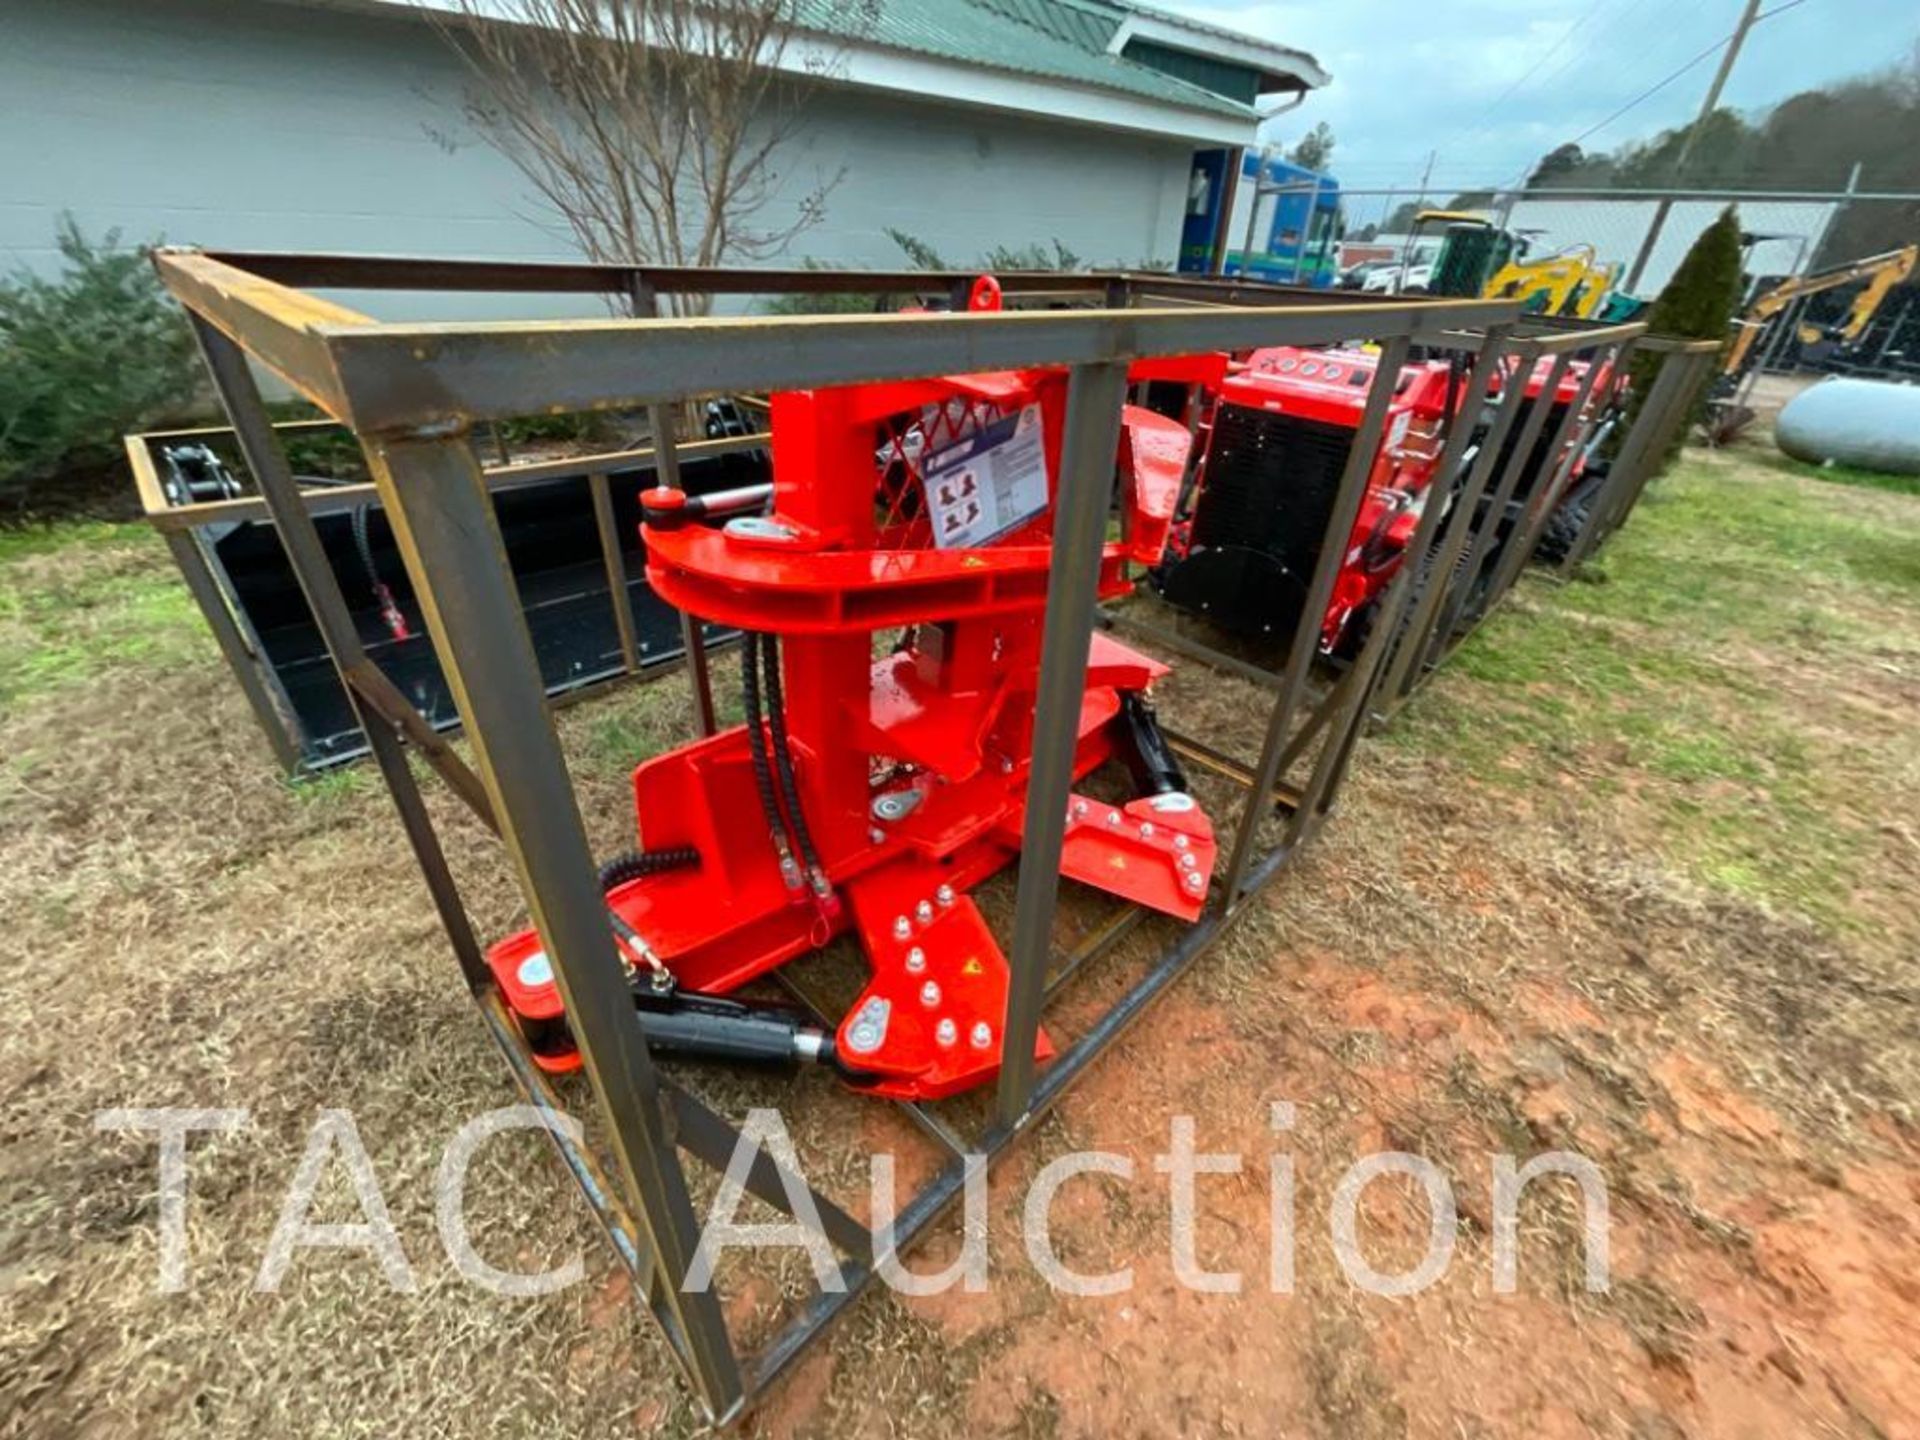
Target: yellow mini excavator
column 1882, row 273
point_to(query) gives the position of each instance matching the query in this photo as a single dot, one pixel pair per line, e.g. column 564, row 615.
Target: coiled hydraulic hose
column 632, row 864
column 762, row 766
column 783, row 763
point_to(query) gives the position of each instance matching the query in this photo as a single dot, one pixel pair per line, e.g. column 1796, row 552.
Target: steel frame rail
column 1685, row 370
column 412, row 395
column 1450, row 603
column 189, row 531
column 641, row 288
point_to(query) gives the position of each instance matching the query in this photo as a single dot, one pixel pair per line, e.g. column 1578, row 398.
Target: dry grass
column 1634, row 878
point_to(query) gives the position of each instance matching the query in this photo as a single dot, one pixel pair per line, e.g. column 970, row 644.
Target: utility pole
column 1748, row 15
column 1419, row 204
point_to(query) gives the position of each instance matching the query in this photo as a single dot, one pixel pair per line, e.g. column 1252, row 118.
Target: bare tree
column 651, row 126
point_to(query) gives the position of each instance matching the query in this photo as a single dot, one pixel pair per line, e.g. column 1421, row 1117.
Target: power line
column 1712, row 49
column 1481, row 123
column 1608, row 29
column 1652, row 90
column 1617, row 24
column 1613, row 28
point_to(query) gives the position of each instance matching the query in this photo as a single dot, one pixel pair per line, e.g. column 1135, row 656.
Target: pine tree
column 1697, row 304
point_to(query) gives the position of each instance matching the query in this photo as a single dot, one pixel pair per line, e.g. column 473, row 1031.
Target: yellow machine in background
column 1572, row 282
column 1881, row 272
column 1478, row 257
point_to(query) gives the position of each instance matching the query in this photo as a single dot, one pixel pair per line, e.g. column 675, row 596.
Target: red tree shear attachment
column 871, row 794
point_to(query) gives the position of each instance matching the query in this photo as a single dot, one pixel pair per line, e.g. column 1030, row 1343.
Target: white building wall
column 254, row 125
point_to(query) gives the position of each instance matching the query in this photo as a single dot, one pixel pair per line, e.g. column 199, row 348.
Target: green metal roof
column 1056, row 39
column 1090, row 26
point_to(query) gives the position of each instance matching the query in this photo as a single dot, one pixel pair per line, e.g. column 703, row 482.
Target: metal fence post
column 1460, row 591
column 615, row 560
column 1633, row 466
column 1409, row 663
column 1306, row 637
column 253, row 429
column 1567, row 442
column 444, row 524
column 248, row 666
column 693, row 635
column 1088, row 451
column 666, row 458
column 1668, row 429
column 1384, row 645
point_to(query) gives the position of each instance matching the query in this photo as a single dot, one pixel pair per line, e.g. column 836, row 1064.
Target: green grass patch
column 79, row 600
column 1654, row 685
column 338, row 786
column 19, row 542
column 1834, row 474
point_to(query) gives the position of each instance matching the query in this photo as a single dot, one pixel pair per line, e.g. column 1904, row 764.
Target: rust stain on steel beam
column 1562, row 342
column 421, row 379
column 146, row 480
column 333, row 499
column 285, row 329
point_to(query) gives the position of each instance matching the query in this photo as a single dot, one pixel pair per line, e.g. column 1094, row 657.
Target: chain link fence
column 1629, row 242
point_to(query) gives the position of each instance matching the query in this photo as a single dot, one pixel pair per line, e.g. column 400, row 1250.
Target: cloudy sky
column 1493, row 84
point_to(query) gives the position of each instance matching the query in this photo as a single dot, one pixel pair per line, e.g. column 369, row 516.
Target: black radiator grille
column 1271, row 481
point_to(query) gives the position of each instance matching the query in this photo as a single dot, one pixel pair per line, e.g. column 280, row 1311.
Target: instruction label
column 988, row 483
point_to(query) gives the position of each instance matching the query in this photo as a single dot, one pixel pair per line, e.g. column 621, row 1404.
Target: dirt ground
column 1634, row 878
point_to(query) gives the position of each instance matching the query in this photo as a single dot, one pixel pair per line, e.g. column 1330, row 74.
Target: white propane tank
column 1869, row 424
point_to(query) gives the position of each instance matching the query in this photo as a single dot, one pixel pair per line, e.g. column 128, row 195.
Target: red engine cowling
column 1281, row 430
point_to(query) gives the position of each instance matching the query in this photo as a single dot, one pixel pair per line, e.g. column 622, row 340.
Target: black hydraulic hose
column 390, row 614
column 363, row 543
column 757, row 748
column 1144, row 750
column 632, row 864
column 783, row 761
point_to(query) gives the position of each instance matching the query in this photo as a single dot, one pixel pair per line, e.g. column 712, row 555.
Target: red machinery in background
column 1280, row 430
column 1539, row 462
column 1536, row 468
column 1282, row 427
column 868, row 793
column 1590, row 462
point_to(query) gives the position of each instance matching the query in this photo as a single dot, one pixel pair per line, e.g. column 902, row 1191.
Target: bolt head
column 902, row 927
column 916, row 960
column 945, row 1033
column 1195, row 880
column 981, row 1035
column 1113, row 818
column 1146, row 830
column 923, row 912
column 869, row 1028
column 944, row 895
column 1187, row 862
column 930, row 994
column 876, row 835
column 1180, row 842
column 1079, row 807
